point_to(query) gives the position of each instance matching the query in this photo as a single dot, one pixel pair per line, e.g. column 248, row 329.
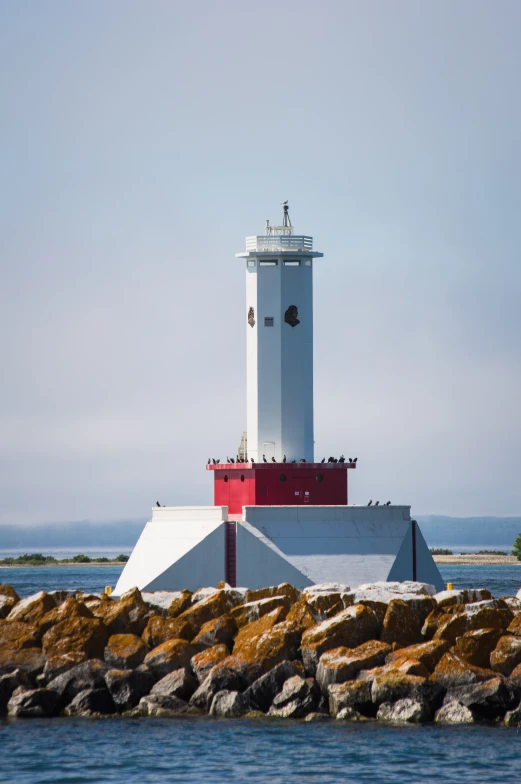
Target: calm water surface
column 208, row 751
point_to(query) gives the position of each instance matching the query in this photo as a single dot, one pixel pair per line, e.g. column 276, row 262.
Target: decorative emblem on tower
column 251, row 317
column 291, row 316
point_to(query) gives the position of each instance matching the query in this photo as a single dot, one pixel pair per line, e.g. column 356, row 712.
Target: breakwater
column 394, row 652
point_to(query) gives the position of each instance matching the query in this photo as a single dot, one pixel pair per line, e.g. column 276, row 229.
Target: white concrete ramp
column 185, row 547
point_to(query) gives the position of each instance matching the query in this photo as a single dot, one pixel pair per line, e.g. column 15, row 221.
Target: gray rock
column 513, row 717
column 219, row 679
column 407, row 586
column 350, row 714
column 384, row 690
column 88, row 675
column 316, row 716
column 157, row 705
column 178, row 683
column 229, row 705
column 263, row 691
column 8, row 684
column 351, row 696
column 90, row 702
column 487, row 700
column 32, row 703
column 127, row 687
column 410, row 711
column 297, row 698
column 454, row 713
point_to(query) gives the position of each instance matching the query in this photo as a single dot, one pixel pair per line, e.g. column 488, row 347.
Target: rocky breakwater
column 394, row 652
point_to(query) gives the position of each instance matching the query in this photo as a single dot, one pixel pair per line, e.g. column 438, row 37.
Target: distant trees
column 440, row 551
column 122, row 558
column 516, row 549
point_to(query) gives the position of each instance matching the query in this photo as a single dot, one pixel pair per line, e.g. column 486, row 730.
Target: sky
column 142, row 142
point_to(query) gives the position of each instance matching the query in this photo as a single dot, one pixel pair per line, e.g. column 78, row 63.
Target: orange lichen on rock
column 453, row 670
column 301, row 616
column 160, row 629
column 506, row 655
column 32, row 608
column 86, row 636
column 253, row 611
column 125, row 651
column 477, row 645
column 427, row 653
column 203, row 662
column 70, row 608
column 220, row 630
column 284, row 589
column 401, row 624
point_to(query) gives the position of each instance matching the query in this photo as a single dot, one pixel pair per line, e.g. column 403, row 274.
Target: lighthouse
column 279, row 341
column 278, row 516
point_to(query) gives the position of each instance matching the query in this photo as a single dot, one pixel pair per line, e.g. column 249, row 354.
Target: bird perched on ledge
column 370, row 502
column 376, row 504
column 264, row 458
column 388, row 503
column 284, row 459
column 273, row 460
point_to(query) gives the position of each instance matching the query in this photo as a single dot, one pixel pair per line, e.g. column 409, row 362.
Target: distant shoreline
column 477, row 560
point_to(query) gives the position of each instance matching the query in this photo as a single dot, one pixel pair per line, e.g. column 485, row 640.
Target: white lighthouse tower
column 279, row 327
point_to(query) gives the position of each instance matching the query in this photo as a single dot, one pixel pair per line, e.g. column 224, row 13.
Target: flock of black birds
column 377, row 503
column 231, row 460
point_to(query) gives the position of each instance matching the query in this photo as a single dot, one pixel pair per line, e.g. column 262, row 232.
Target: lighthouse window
column 292, row 263
column 307, row 262
column 268, row 263
column 251, row 263
column 268, row 321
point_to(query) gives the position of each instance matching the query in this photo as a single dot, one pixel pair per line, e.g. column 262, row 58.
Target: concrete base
column 185, row 547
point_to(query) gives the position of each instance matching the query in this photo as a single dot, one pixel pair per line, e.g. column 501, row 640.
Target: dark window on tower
column 268, row 321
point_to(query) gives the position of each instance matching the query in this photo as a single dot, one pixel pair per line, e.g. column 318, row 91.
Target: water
column 91, row 579
column 211, row 751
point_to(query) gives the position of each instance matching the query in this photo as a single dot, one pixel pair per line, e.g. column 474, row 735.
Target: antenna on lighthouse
column 286, row 222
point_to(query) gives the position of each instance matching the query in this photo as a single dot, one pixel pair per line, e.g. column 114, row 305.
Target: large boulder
column 228, row 675
column 351, row 696
column 454, row 713
column 91, row 702
column 125, row 651
column 229, row 705
column 127, row 615
column 32, row 703
column 253, row 611
column 8, row 684
column 8, row 599
column 401, row 624
column 178, row 683
column 263, row 691
column 268, row 641
column 158, row 705
column 460, row 596
column 487, row 614
column 69, row 608
column 298, row 697
column 284, row 589
column 452, row 670
column 168, row 603
column 16, row 636
column 350, row 627
column 325, row 600
column 32, row 608
column 88, row 675
column 477, row 645
column 487, row 700
column 515, row 625
column 506, row 655
column 218, row 631
column 343, row 664
column 219, row 603
column 301, row 616
column 80, row 636
column 405, row 711
column 377, row 596
column 169, row 656
column 405, row 587
column 62, row 662
column 203, row 662
column 427, row 653
column 392, row 686
column 159, row 629
column 31, row 660
column 127, row 687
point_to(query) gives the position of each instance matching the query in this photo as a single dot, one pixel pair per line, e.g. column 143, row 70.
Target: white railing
column 279, row 242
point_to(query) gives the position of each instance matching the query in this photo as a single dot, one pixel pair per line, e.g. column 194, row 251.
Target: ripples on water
column 207, row 751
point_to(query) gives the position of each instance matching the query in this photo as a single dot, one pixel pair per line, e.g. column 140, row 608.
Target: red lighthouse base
column 279, row 484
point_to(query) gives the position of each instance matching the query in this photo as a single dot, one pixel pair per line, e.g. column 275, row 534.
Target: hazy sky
column 142, row 141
